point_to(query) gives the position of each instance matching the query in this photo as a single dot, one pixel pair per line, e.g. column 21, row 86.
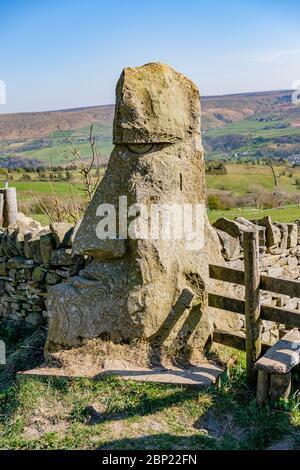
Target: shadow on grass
column 146, row 406
column 27, row 352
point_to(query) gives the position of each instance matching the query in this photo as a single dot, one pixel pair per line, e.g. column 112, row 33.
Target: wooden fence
column 251, row 307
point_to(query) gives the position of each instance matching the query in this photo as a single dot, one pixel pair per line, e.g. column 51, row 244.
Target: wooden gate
column 251, row 307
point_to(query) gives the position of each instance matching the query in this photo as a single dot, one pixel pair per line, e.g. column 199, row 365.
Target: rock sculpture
column 137, row 287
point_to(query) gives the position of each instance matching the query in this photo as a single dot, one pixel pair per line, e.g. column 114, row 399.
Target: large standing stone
column 138, row 287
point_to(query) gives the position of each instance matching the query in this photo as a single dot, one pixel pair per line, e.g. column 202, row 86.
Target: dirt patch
column 219, row 426
column 45, row 419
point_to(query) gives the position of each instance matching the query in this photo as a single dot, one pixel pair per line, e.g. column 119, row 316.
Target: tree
column 276, row 182
column 89, row 168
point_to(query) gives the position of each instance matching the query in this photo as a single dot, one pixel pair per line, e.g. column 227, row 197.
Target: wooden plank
column 281, row 315
column 252, row 302
column 280, row 386
column 222, row 273
column 234, row 340
column 280, row 286
column 226, row 303
column 283, row 356
column 267, row 312
column 263, row 388
column 267, row 283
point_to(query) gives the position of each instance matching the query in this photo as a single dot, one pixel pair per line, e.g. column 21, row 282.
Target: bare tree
column 56, row 209
column 72, row 207
column 276, row 182
column 89, row 168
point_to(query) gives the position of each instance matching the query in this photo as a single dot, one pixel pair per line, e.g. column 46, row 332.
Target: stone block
column 62, row 233
column 62, row 257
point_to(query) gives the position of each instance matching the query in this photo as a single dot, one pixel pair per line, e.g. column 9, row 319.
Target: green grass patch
column 57, row 154
column 287, row 214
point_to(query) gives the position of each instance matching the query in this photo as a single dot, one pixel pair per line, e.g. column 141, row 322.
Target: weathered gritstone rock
column 134, row 288
column 155, row 104
column 247, row 225
column 273, row 234
column 236, row 228
column 231, row 247
column 284, row 235
column 62, row 233
column 292, row 235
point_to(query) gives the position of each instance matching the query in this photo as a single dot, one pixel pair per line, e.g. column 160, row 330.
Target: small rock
column 292, row 235
column 47, row 244
column 62, row 233
column 38, row 275
column 3, row 269
column 52, row 278
column 62, row 257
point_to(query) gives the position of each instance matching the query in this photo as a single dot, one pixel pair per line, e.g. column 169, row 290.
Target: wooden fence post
column 252, row 302
column 10, row 205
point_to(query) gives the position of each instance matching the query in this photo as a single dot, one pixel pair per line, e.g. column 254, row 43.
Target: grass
column 56, row 154
column 58, row 414
column 242, row 179
column 286, row 214
column 26, row 188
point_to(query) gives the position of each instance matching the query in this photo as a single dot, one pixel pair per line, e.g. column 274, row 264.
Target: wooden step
column 283, row 356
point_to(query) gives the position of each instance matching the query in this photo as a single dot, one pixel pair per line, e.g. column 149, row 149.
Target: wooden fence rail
column 267, row 283
column 251, row 307
column 267, row 312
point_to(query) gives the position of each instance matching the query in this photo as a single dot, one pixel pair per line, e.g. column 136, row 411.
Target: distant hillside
column 37, row 125
column 220, row 110
column 234, row 126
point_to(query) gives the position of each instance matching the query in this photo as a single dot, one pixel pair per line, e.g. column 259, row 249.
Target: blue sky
column 68, row 53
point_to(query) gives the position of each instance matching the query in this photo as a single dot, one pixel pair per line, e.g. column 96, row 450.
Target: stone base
column 204, row 375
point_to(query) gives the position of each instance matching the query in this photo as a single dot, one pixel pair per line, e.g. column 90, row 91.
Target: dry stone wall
column 32, row 260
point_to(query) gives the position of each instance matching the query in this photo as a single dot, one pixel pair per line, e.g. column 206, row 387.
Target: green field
column 60, row 152
column 241, row 179
column 286, row 214
column 26, row 189
column 244, row 180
